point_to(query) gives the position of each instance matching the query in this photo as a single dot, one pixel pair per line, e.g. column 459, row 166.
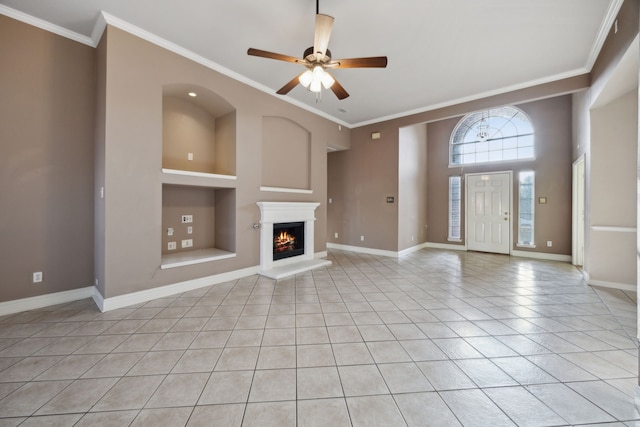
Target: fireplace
column 295, row 218
column 288, row 240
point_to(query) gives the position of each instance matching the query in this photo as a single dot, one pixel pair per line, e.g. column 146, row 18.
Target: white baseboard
column 541, row 255
column 322, row 254
column 412, row 249
column 613, row 285
column 585, row 275
column 447, row 246
column 120, row 301
column 98, row 299
column 370, row 251
column 32, row 303
column 126, row 300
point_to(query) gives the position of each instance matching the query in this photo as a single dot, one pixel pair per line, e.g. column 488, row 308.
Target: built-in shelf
column 199, row 256
column 286, row 190
column 199, row 174
column 199, row 179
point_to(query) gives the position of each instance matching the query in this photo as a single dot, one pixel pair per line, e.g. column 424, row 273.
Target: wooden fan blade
column 324, row 25
column 338, row 90
column 371, row 62
column 273, row 55
column 287, row 88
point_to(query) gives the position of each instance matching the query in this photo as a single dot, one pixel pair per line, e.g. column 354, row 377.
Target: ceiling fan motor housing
column 310, row 56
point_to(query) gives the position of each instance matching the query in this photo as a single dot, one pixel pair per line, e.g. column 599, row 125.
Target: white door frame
column 466, row 206
column 577, row 223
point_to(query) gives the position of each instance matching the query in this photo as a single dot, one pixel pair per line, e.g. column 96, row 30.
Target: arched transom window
column 496, row 135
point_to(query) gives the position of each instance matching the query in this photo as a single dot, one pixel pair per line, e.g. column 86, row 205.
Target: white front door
column 489, row 212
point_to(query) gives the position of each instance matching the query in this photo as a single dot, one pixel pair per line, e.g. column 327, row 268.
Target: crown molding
column 179, row 50
column 98, row 29
column 45, row 25
column 481, row 95
column 603, row 32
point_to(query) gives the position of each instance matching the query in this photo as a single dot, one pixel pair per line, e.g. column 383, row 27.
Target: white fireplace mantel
column 279, row 212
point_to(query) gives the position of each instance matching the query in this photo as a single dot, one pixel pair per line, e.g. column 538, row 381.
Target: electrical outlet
column 37, row 277
column 190, row 156
column 335, row 235
column 187, row 219
column 169, row 231
column 171, row 246
column 362, row 238
column 549, row 243
column 189, row 230
column 187, row 243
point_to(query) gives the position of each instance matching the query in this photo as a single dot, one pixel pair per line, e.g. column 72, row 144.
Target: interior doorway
column 578, row 206
column 488, row 212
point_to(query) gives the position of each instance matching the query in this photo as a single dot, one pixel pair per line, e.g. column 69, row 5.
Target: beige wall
column 615, row 46
column 187, row 128
column 136, row 72
column 359, row 181
column 613, row 170
column 225, row 144
column 46, row 161
column 286, row 154
column 200, row 202
column 592, row 140
column 412, row 186
column 551, row 119
column 362, row 177
column 99, row 232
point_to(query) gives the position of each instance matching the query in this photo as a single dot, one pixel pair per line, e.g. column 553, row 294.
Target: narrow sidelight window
column 526, row 208
column 455, row 194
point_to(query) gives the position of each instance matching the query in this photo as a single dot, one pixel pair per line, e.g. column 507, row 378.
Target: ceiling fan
column 317, row 59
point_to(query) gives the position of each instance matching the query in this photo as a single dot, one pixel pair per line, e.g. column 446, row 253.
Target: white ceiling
column 440, row 51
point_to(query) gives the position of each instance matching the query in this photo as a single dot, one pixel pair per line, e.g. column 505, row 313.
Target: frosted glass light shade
column 306, row 78
column 327, row 80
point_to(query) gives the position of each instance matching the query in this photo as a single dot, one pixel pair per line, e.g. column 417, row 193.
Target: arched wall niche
column 198, row 132
column 286, row 154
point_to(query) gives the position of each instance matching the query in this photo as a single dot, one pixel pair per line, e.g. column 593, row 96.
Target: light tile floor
column 432, row 338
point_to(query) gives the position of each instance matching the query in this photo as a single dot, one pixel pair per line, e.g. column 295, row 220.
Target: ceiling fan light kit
column 317, row 59
column 313, row 79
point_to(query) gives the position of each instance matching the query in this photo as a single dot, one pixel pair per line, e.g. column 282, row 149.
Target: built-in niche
column 286, row 154
column 198, row 132
column 198, row 224
column 199, row 176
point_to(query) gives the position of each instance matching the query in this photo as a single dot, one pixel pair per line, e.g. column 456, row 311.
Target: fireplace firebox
column 288, row 240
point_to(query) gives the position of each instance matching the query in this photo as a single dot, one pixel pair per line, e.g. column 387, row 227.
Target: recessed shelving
column 198, row 177
column 182, row 259
column 198, row 133
column 198, row 174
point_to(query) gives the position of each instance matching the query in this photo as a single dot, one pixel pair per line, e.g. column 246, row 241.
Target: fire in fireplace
column 288, row 240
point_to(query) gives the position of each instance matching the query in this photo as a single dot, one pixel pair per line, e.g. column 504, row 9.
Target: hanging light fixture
column 483, row 129
column 316, row 78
